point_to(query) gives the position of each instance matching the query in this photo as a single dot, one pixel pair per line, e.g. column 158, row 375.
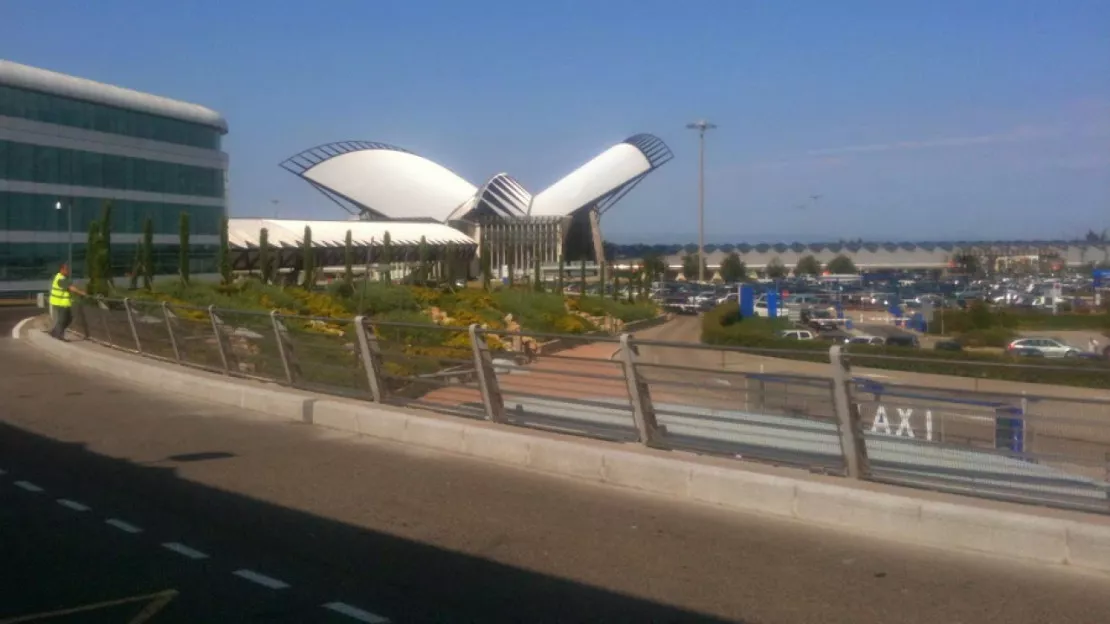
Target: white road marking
column 19, row 326
column 74, row 505
column 355, row 613
column 123, row 526
column 184, row 550
column 261, row 579
column 27, row 485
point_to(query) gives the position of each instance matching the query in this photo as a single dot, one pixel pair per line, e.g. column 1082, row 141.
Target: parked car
column 867, row 340
column 902, row 340
column 796, row 334
column 1047, row 346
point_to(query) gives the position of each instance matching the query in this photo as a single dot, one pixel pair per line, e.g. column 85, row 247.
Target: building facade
column 69, row 145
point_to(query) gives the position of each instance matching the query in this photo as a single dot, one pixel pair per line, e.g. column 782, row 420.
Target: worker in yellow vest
column 61, row 300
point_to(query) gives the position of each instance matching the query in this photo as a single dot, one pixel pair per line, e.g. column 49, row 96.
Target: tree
column 654, row 268
column 308, row 260
column 449, row 265
column 842, row 265
column 136, row 267
column 690, row 266
column 808, row 265
column 967, row 263
column 387, row 258
column 224, row 259
column 148, row 253
column 265, row 266
column 776, row 269
column 92, row 259
column 105, row 246
column 616, row 286
column 423, row 256
column 487, row 265
column 733, row 269
column 537, row 277
column 559, row 278
column 183, row 247
column 582, row 277
column 349, row 262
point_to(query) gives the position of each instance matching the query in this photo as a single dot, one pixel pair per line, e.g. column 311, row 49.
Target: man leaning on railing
column 61, row 301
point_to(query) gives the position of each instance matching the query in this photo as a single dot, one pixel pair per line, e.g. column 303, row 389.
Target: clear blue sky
column 911, row 119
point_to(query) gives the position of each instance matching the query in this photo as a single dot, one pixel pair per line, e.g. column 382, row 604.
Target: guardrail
column 1043, row 449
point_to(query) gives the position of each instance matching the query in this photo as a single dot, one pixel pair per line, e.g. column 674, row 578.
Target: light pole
column 69, row 231
column 701, row 126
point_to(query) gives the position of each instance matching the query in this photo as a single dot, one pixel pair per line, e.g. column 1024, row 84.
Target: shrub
column 993, row 337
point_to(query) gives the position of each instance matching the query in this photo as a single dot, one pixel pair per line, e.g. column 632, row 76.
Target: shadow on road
column 405, row 580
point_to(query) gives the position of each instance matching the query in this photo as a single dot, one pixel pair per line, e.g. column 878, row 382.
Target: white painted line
column 355, row 613
column 74, row 505
column 123, row 526
column 19, row 326
column 184, row 550
column 261, row 579
column 27, row 485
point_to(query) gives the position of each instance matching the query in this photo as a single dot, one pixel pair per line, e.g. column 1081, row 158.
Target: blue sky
column 911, row 120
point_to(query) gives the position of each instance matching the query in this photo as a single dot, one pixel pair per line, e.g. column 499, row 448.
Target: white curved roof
column 290, row 233
column 27, row 77
column 501, row 195
column 394, row 183
column 607, row 172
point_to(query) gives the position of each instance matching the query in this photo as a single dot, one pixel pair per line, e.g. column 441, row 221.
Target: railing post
column 852, row 443
column 169, row 330
column 103, row 309
column 487, row 377
column 371, row 358
column 280, row 338
column 131, row 322
column 219, row 340
column 643, row 410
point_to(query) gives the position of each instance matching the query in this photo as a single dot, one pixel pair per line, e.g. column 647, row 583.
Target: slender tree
column 537, row 277
column 512, row 272
column 136, row 267
column 487, row 268
column 449, row 265
column 387, row 258
column 92, row 261
column 105, row 245
column 349, row 262
column 265, row 266
column 616, row 286
column 559, row 278
column 582, row 276
column 183, row 247
column 224, row 259
column 148, row 253
column 308, row 260
column 423, row 255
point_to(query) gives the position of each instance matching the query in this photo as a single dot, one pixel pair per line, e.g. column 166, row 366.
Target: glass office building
column 68, row 145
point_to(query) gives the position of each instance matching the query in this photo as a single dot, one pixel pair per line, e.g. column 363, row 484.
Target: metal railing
column 811, row 411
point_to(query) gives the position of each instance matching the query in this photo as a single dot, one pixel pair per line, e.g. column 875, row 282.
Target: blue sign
column 1102, row 277
column 773, row 304
column 747, row 300
column 1009, row 429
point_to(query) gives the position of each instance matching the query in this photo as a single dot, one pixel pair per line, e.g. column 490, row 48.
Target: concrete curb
column 677, row 475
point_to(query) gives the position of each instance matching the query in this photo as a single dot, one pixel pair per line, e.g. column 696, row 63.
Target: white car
column 796, row 334
column 1047, row 346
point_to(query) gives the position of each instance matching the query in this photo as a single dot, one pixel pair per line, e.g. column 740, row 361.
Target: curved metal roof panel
column 605, row 178
column 384, row 179
column 46, row 81
column 501, row 196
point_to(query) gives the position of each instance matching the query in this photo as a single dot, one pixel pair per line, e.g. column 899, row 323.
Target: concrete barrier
column 891, row 515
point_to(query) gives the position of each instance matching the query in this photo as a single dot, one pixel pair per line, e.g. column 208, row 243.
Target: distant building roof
column 244, row 233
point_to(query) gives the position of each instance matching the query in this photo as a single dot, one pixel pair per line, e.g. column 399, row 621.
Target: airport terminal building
column 68, row 144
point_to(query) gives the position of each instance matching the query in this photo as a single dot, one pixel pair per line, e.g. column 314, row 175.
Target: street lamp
column 701, row 126
column 69, row 232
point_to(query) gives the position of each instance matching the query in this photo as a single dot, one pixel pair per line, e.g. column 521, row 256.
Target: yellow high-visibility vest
column 60, row 297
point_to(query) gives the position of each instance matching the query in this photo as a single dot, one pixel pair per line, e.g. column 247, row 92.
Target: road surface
column 207, row 514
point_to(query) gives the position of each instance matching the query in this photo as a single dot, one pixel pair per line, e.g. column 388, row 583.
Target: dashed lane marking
column 184, row 550
column 72, row 504
column 27, row 485
column 355, row 613
column 123, row 526
column 261, row 579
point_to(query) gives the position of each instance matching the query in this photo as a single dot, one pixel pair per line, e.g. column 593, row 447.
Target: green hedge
column 723, row 326
column 980, row 316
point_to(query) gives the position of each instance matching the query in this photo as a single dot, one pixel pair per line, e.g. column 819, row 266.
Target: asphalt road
column 111, row 493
